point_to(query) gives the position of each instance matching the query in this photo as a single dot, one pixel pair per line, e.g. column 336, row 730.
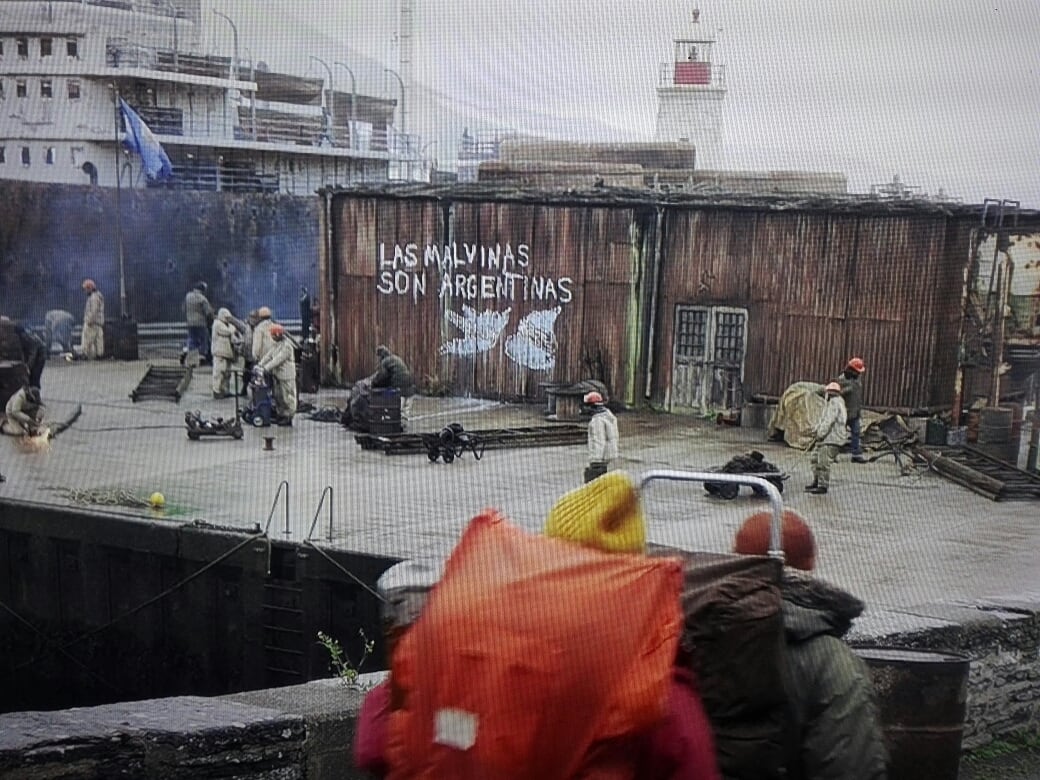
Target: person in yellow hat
column 829, row 435
column 606, row 514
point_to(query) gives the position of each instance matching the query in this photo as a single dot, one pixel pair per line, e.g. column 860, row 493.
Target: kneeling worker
column 280, row 363
column 24, row 413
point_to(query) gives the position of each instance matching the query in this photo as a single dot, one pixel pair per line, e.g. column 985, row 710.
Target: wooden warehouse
column 688, row 303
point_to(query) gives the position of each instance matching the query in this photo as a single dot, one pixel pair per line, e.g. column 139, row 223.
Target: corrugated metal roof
column 628, row 198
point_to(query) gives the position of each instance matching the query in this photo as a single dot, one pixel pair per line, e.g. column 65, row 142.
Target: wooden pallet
column 166, row 383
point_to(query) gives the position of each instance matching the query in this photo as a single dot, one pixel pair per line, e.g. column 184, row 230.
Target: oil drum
column 995, row 433
column 922, row 699
column 121, row 339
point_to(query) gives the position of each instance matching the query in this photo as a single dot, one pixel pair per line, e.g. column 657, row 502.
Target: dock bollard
column 268, row 443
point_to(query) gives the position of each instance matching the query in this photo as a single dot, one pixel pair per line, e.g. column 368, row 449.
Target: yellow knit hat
column 605, row 514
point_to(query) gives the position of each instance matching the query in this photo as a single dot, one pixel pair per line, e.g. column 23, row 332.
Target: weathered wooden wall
column 821, row 281
column 490, row 298
column 819, row 288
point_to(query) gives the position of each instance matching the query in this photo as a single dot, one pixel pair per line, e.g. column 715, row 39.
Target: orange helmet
column 277, row 331
column 833, row 387
column 88, row 284
column 857, row 365
column 592, row 398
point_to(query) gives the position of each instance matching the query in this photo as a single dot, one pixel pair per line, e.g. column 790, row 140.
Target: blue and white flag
column 141, row 140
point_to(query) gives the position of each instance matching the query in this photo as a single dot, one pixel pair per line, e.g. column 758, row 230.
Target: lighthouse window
column 73, row 90
column 693, row 54
column 72, row 47
column 26, row 159
column 46, row 47
column 51, row 154
column 21, row 89
column 23, row 47
column 46, row 88
column 3, row 155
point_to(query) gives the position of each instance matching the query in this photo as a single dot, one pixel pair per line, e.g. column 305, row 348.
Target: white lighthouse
column 690, row 92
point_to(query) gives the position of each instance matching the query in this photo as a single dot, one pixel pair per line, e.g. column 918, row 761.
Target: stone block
column 185, row 737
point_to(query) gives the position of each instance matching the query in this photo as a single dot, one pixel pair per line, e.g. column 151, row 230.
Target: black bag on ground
column 733, row 641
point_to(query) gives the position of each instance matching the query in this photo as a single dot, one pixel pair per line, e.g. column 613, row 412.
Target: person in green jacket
column 852, row 393
column 394, row 372
column 838, row 735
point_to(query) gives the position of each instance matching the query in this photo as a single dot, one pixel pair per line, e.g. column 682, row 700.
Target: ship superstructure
column 227, row 122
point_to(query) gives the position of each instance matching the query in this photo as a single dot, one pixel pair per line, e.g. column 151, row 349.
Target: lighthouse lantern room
column 690, row 92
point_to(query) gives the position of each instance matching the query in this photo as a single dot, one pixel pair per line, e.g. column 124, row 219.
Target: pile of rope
column 104, row 497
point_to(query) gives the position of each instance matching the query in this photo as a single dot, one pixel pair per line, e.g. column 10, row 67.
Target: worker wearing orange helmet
column 852, row 393
column 603, row 436
column 280, row 362
column 829, row 436
column 92, row 338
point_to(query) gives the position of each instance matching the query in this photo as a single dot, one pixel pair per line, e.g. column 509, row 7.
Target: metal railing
column 166, row 332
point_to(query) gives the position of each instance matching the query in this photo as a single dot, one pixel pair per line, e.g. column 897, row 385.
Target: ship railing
column 311, row 131
column 219, row 177
column 156, row 333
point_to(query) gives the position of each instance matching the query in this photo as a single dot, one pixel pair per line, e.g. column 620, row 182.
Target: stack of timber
column 492, row 438
column 982, row 473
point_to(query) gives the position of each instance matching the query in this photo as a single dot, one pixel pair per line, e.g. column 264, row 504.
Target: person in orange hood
column 673, row 740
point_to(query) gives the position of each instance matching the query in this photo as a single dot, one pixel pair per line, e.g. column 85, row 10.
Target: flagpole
column 119, row 212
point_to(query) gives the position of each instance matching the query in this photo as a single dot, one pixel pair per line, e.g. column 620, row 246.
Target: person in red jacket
column 403, row 587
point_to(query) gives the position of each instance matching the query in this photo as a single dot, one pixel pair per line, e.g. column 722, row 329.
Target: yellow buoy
column 157, row 500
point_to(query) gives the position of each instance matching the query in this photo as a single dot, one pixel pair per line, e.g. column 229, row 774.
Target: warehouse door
column 708, row 358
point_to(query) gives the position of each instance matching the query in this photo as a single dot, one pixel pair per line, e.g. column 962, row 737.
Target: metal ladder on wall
column 285, row 643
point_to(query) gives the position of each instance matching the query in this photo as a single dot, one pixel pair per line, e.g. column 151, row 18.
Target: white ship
column 227, row 123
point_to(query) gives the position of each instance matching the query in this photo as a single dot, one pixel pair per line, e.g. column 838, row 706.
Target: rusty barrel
column 921, row 697
column 121, row 339
column 995, row 433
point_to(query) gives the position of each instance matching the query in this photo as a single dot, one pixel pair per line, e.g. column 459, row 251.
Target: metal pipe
column 400, row 81
column 776, row 549
column 652, row 319
column 119, row 206
column 967, row 278
column 176, row 46
column 1004, row 293
column 329, row 115
column 252, row 99
column 353, row 103
column 234, row 31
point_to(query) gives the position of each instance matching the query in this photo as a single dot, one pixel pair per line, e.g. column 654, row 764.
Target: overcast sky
column 945, row 93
